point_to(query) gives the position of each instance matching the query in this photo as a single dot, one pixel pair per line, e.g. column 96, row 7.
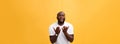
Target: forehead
column 61, row 13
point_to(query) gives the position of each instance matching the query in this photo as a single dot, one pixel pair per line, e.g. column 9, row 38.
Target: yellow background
column 27, row 21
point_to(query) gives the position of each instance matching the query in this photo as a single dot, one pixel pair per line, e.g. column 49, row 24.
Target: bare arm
column 69, row 37
column 53, row 38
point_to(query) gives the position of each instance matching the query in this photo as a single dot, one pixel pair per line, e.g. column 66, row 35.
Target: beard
column 61, row 21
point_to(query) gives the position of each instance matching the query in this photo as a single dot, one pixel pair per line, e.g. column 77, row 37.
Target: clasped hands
column 57, row 30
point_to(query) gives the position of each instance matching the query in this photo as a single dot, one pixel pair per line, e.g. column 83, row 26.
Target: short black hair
column 60, row 12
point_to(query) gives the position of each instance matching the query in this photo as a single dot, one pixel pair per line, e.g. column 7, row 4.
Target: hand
column 65, row 29
column 57, row 30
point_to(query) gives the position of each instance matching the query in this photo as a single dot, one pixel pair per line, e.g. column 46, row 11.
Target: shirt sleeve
column 51, row 31
column 70, row 30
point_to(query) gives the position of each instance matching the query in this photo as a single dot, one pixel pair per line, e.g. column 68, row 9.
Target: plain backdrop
column 27, row 21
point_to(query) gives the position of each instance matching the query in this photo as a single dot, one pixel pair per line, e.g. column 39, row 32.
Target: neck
column 60, row 23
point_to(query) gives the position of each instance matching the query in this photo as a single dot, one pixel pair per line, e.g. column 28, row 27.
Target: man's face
column 61, row 17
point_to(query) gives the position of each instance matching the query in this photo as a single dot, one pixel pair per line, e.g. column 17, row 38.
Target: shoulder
column 69, row 24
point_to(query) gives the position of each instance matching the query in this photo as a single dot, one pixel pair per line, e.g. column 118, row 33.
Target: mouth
column 61, row 20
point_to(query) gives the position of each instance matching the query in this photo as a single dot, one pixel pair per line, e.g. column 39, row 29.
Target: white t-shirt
column 61, row 37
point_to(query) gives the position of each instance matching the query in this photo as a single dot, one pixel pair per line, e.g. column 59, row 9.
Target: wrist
column 64, row 32
column 56, row 34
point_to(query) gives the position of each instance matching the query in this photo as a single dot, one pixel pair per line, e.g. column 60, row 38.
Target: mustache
column 59, row 20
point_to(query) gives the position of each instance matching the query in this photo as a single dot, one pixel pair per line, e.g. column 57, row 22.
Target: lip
column 61, row 20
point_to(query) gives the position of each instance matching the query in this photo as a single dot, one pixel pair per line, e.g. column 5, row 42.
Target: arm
column 69, row 37
column 53, row 38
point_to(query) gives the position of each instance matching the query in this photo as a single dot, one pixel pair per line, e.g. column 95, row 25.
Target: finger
column 57, row 27
column 54, row 28
column 63, row 27
column 67, row 27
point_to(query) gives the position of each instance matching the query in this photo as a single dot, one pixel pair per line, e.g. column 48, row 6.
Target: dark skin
column 61, row 19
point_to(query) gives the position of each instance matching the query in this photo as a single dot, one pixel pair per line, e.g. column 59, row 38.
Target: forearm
column 53, row 38
column 69, row 37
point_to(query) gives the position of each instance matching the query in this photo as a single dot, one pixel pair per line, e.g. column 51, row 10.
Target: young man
column 61, row 32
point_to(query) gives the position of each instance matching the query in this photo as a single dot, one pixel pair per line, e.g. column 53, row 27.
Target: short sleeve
column 70, row 30
column 51, row 31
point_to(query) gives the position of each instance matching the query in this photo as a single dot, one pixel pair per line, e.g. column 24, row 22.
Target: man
column 61, row 32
